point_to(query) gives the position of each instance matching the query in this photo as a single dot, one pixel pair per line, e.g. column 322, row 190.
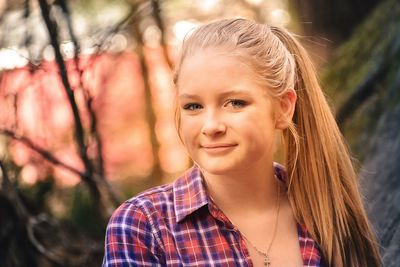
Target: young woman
column 239, row 84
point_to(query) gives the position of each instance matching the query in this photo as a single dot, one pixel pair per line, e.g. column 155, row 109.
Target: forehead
column 211, row 69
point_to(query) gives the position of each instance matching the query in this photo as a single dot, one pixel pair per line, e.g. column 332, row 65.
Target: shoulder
column 136, row 221
column 162, row 206
column 152, row 197
column 144, row 204
column 157, row 202
column 132, row 235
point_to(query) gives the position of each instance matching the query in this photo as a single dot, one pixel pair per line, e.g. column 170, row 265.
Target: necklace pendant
column 266, row 261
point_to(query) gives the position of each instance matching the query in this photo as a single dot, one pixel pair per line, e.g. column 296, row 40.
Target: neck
column 251, row 190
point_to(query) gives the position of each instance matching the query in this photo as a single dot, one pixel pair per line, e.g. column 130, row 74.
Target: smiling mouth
column 217, row 145
column 218, row 148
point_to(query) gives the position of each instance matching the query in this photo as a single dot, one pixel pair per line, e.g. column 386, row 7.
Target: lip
column 218, row 148
column 218, row 145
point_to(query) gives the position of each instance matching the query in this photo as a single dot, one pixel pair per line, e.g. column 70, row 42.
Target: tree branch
column 88, row 97
column 117, row 27
column 53, row 160
column 150, row 114
column 156, row 11
column 12, row 195
column 79, row 132
column 44, row 223
column 44, row 153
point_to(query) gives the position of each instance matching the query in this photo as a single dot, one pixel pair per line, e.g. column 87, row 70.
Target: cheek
column 259, row 131
column 189, row 128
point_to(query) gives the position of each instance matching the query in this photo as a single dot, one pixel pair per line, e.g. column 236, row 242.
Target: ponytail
column 322, row 184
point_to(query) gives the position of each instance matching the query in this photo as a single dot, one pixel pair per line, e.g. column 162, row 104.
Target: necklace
column 263, row 254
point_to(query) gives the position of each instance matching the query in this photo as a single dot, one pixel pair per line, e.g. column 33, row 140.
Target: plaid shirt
column 178, row 225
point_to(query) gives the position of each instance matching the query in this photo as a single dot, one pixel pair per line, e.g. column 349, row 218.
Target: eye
column 236, row 103
column 192, row 106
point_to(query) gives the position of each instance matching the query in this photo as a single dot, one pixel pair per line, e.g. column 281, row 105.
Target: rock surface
column 381, row 177
column 365, row 75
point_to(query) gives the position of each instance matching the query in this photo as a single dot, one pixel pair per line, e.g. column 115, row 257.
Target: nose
column 213, row 125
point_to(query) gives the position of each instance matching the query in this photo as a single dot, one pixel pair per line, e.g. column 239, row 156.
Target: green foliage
column 131, row 186
column 364, row 51
column 84, row 214
column 37, row 194
column 375, row 46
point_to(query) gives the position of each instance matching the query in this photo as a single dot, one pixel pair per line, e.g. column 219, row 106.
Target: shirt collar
column 190, row 193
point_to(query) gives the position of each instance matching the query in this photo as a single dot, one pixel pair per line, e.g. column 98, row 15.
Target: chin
column 216, row 168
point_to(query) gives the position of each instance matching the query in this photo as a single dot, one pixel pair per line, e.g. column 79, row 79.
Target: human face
column 226, row 118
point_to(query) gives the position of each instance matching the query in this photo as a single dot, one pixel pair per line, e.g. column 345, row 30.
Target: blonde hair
column 322, row 183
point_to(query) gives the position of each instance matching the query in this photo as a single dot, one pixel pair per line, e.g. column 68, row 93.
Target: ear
column 285, row 109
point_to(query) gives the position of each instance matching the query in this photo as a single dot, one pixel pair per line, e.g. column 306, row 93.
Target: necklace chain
column 265, row 255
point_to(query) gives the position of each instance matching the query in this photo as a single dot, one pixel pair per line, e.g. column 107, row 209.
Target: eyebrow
column 224, row 94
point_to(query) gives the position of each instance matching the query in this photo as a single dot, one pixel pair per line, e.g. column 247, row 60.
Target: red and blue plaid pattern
column 178, row 225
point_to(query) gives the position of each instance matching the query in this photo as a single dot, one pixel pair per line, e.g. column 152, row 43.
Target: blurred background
column 87, row 109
